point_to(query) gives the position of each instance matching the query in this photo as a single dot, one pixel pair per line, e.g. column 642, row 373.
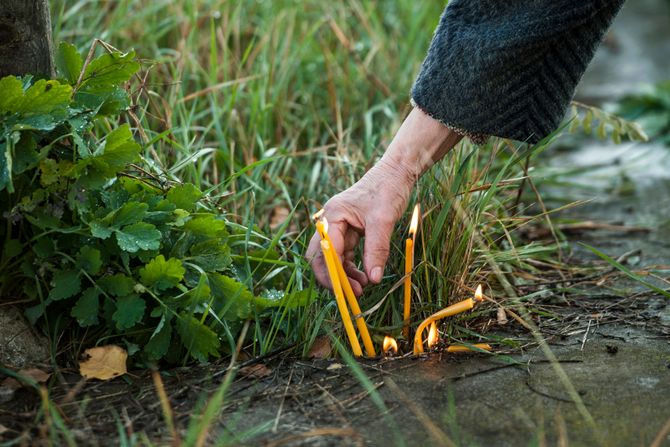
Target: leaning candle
column 329, row 256
column 322, row 229
column 454, row 309
column 464, row 348
column 409, row 266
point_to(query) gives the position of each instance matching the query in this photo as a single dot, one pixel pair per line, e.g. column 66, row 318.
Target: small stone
column 20, row 345
column 612, row 350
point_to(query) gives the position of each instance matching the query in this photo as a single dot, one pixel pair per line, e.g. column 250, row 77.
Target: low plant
column 94, row 237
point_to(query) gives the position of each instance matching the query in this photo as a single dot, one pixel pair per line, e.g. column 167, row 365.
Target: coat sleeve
column 509, row 68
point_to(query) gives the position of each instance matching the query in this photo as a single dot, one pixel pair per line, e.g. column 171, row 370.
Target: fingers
column 376, row 250
column 315, row 258
column 355, row 274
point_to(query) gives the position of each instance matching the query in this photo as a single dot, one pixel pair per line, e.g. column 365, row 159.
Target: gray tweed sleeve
column 509, row 68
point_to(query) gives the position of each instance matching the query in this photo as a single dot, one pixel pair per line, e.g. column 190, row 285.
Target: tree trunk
column 25, row 38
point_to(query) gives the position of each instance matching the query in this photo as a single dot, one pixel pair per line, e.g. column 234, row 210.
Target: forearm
column 420, row 142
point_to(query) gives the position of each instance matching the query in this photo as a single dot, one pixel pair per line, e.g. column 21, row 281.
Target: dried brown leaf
column 104, row 362
column 321, row 348
column 257, row 371
column 36, row 374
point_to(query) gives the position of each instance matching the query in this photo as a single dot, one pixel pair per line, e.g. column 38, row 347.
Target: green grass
column 276, row 106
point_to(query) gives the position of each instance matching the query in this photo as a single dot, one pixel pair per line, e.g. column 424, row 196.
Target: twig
column 281, row 405
column 586, row 334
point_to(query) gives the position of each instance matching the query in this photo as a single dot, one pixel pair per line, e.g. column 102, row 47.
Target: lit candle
column 390, row 346
column 322, row 229
column 433, row 335
column 409, row 266
column 463, row 348
column 329, row 256
column 454, row 309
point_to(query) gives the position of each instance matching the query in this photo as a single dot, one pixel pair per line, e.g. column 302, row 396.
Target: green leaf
column 65, row 284
column 44, row 97
column 6, row 167
column 159, row 343
column 89, row 260
column 292, row 300
column 12, row 248
column 200, row 340
column 129, row 311
column 232, row 297
column 211, row 255
column 49, row 172
column 199, row 295
column 109, row 70
column 100, row 229
column 129, row 213
column 119, row 150
column 68, row 62
column 184, row 196
column 138, row 236
column 12, row 93
column 117, row 285
column 207, row 225
column 162, row 274
column 86, row 309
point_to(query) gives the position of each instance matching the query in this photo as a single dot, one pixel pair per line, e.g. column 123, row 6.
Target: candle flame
column 414, row 224
column 433, row 335
column 479, row 296
column 390, row 345
column 318, row 214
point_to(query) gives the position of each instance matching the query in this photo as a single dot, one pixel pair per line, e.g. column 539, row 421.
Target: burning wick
column 409, row 266
column 338, row 276
column 479, row 296
column 433, row 335
column 449, row 311
column 390, row 346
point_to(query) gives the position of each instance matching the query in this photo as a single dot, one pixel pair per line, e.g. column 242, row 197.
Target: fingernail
column 376, row 274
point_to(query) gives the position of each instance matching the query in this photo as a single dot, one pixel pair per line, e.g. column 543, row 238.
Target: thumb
column 376, row 249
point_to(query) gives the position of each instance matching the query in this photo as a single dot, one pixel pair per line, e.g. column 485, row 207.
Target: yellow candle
column 454, row 309
column 329, row 256
column 409, row 265
column 321, row 228
column 407, row 286
column 463, row 348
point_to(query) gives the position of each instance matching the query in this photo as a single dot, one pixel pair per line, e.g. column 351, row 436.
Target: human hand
column 372, row 206
column 369, row 209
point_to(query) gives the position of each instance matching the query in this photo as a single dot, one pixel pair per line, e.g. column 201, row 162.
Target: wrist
column 420, row 142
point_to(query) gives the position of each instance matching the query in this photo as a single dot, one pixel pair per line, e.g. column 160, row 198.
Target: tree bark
column 25, row 38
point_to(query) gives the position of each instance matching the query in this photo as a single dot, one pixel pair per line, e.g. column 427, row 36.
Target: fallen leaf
column 502, row 316
column 256, row 371
column 279, row 216
column 321, row 348
column 335, row 366
column 104, row 362
column 36, row 374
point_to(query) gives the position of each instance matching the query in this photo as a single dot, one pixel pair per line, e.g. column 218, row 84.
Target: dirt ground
column 611, row 339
